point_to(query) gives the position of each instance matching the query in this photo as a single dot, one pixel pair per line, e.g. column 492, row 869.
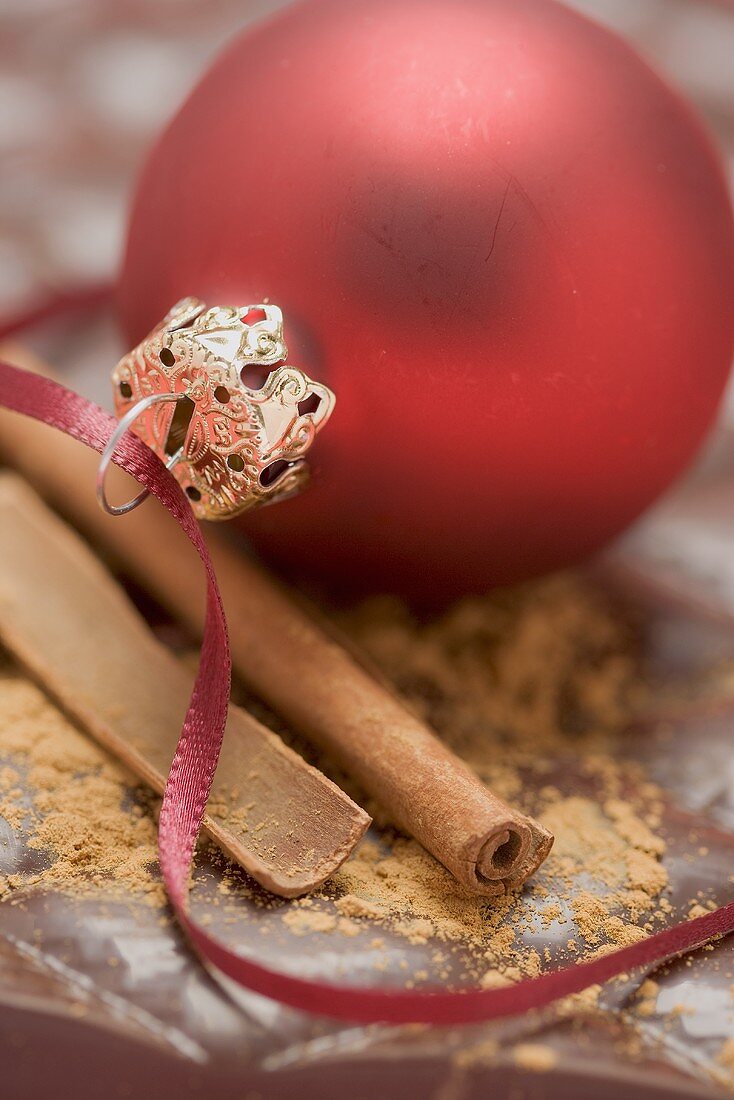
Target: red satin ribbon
column 195, row 761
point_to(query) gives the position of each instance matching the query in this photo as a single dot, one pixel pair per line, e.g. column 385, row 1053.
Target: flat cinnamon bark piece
column 71, row 625
column 292, row 663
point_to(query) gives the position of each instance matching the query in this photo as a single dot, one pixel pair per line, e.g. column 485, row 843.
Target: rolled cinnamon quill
column 301, row 672
column 71, row 625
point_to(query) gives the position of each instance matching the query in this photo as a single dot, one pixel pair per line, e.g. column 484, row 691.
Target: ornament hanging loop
column 125, row 423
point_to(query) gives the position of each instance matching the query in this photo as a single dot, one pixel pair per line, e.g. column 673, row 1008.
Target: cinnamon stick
column 302, row 673
column 71, row 625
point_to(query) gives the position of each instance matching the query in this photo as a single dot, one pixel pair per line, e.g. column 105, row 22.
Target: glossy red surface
column 499, row 237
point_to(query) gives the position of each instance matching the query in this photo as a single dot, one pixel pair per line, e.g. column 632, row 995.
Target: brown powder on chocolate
column 531, row 1057
column 525, row 685
column 534, row 1057
column 77, row 810
column 726, row 1056
column 646, row 998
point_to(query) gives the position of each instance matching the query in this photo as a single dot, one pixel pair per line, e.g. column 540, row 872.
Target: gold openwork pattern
column 229, row 445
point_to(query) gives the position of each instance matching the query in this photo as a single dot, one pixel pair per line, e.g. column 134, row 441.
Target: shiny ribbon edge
column 195, row 761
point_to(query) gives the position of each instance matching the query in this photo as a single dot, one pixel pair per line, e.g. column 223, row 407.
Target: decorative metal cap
column 230, row 446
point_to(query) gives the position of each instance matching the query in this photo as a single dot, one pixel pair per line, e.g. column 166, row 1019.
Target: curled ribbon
column 195, row 761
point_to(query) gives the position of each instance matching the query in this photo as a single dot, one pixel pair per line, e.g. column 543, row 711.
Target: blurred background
column 86, row 84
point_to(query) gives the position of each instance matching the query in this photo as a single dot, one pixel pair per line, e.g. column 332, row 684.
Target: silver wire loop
column 126, row 422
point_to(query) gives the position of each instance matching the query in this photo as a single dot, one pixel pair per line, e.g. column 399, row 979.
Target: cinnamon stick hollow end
column 491, row 848
column 507, row 857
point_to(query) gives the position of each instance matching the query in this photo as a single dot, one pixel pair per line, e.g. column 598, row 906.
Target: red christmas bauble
column 496, row 234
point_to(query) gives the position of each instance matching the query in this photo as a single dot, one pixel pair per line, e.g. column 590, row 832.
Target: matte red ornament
column 497, row 235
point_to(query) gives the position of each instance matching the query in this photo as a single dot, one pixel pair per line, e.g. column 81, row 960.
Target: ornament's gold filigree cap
column 231, row 446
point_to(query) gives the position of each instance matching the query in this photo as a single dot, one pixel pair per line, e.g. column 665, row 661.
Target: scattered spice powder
column 647, row 998
column 534, row 1057
column 77, row 808
column 726, row 1056
column 527, row 686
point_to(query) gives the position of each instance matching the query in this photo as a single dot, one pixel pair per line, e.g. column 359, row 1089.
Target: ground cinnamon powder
column 524, row 685
column 528, row 686
column 73, row 801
